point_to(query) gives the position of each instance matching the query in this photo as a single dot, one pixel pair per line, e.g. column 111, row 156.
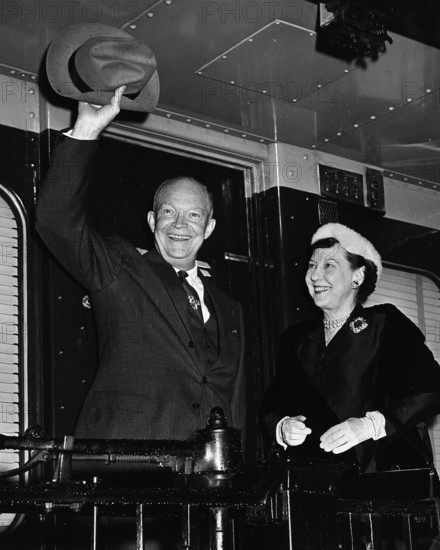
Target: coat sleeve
column 293, row 392
column 61, row 216
column 413, row 375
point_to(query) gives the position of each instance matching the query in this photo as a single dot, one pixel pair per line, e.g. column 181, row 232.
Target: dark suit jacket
column 385, row 367
column 151, row 381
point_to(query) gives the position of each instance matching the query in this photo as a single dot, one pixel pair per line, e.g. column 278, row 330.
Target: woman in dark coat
column 358, row 382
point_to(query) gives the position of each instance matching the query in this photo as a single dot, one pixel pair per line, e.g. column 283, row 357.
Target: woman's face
column 329, row 277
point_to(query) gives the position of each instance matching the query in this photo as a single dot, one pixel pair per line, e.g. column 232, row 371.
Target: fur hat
column 350, row 240
column 88, row 61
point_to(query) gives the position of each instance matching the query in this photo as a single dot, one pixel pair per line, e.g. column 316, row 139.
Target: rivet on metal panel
column 207, row 126
column 373, row 117
column 188, row 120
column 355, row 125
column 226, row 131
column 326, row 140
column 150, row 14
column 390, row 108
column 31, row 115
column 168, row 115
column 31, row 91
column 428, row 90
column 132, row 27
column 168, row 2
column 313, row 146
column 250, row 40
column 261, row 140
column 224, row 57
column 12, row 71
column 243, row 135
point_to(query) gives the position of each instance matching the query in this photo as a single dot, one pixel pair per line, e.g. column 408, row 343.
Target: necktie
column 193, row 298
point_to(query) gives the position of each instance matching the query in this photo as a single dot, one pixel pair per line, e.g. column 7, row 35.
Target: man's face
column 181, row 224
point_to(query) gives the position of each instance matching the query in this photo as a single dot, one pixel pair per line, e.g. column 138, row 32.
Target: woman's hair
column 356, row 261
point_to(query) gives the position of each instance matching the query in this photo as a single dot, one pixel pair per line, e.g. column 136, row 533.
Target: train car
column 294, row 114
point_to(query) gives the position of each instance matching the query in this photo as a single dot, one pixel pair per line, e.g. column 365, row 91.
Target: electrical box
column 353, row 187
column 341, row 184
column 375, row 191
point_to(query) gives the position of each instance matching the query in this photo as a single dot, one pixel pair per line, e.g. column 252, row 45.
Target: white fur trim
column 350, row 240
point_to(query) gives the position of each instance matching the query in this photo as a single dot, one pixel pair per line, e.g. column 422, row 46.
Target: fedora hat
column 88, row 61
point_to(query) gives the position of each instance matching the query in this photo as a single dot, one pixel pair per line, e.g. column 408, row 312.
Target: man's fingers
column 117, row 96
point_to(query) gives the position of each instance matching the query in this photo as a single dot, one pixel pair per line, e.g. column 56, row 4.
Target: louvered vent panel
column 11, row 326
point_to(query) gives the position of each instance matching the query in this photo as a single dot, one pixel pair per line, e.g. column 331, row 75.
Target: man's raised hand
column 92, row 119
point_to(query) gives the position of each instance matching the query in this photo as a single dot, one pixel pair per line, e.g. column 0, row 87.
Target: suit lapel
column 178, row 300
column 223, row 319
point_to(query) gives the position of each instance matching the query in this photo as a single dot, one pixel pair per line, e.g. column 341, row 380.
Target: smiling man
column 169, row 351
column 181, row 220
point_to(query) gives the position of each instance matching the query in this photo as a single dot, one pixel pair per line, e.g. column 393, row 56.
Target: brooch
column 358, row 324
column 193, row 302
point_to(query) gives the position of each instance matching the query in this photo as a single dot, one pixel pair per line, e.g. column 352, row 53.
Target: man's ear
column 151, row 219
column 209, row 228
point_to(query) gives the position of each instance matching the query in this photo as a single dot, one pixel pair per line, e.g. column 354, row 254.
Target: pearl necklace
column 335, row 323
